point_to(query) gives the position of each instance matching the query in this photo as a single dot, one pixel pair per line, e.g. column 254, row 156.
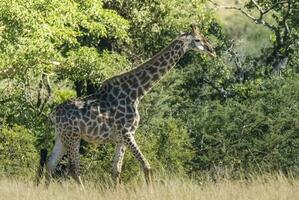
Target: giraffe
column 110, row 115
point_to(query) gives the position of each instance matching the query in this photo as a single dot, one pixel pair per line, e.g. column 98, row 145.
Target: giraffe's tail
column 42, row 162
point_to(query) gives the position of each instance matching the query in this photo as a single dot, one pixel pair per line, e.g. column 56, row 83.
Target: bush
column 257, row 133
column 18, row 156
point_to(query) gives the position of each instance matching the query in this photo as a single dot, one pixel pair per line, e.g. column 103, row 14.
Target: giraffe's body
column 98, row 118
column 111, row 114
column 93, row 119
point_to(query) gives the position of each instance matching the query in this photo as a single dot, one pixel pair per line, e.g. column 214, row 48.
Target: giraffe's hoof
column 148, row 175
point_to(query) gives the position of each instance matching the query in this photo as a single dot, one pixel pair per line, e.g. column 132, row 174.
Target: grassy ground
column 266, row 188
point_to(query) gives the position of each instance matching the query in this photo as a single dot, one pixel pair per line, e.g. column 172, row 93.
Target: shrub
column 18, row 156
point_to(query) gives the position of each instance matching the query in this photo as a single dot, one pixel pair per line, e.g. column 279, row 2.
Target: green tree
column 44, row 43
column 281, row 19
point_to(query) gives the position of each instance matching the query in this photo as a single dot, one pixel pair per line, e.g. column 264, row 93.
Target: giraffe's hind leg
column 117, row 162
column 130, row 142
column 57, row 154
column 72, row 149
column 40, row 169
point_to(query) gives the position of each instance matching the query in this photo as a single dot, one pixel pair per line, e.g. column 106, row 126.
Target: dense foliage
column 207, row 116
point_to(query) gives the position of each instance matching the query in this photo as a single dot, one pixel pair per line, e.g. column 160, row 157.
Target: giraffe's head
column 197, row 42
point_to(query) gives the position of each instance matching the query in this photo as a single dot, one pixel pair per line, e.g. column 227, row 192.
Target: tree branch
column 44, row 82
column 258, row 7
column 247, row 14
column 284, row 21
column 273, row 6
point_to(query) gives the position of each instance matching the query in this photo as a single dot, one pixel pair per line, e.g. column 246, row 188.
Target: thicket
column 238, row 112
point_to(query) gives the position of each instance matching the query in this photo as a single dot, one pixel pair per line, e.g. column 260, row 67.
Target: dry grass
column 272, row 188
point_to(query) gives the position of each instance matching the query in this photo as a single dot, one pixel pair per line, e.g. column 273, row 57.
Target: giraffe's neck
column 140, row 80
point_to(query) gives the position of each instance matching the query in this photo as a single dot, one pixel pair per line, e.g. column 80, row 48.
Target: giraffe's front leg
column 130, row 142
column 117, row 162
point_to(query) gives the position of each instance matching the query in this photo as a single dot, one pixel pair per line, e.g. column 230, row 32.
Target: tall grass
column 263, row 188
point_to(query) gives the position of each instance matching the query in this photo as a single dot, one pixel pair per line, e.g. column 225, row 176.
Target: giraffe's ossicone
column 111, row 114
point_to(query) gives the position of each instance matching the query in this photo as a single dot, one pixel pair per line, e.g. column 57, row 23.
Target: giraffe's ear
column 193, row 28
